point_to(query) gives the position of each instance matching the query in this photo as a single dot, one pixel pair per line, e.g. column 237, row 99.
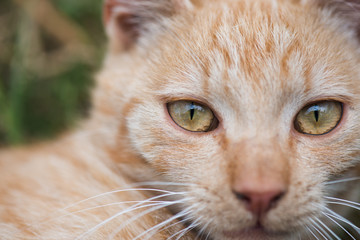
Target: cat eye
column 319, row 118
column 192, row 116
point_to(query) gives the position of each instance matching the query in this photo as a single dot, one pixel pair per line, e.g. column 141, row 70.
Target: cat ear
column 349, row 10
column 129, row 21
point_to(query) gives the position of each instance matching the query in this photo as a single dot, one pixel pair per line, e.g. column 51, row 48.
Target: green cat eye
column 192, row 116
column 319, row 118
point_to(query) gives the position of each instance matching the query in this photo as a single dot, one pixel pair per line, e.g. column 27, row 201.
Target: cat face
column 252, row 105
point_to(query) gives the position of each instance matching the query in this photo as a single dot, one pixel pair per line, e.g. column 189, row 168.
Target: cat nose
column 258, row 201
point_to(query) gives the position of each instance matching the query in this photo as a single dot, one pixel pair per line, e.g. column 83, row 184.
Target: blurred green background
column 49, row 51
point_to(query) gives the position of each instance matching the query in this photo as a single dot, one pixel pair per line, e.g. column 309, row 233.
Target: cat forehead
column 255, row 50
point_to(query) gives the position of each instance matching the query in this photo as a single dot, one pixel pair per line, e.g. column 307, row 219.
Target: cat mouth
column 256, row 233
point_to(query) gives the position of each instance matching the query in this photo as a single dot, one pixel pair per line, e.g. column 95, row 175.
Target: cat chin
column 257, row 232
column 251, row 233
column 254, row 233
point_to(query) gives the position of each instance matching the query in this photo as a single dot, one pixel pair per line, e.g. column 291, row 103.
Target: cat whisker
column 102, row 206
column 339, row 225
column 312, row 233
column 191, row 227
column 208, row 235
column 333, row 214
column 159, row 183
column 93, row 229
column 140, row 215
column 308, row 234
column 343, row 200
column 202, row 230
column 185, row 230
column 183, row 221
column 173, row 224
column 343, row 204
column 195, row 224
column 343, row 180
column 117, row 191
column 132, row 208
column 168, row 193
column 327, row 228
column 320, row 230
column 162, row 224
column 178, row 215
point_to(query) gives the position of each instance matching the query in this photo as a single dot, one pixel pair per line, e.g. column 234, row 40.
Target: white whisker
column 338, row 224
column 150, row 200
column 342, row 180
column 327, row 228
column 139, row 184
column 113, row 192
column 113, row 217
column 337, row 216
column 343, row 200
column 208, row 235
column 184, row 231
column 178, row 222
column 320, row 230
column 177, row 233
column 191, row 227
column 135, row 207
column 344, row 204
column 312, row 233
column 100, row 195
column 117, row 230
column 116, row 191
column 101, row 206
column 308, row 234
column 178, row 215
column 202, row 230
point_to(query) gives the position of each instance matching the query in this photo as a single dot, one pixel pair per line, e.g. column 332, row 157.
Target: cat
column 212, row 119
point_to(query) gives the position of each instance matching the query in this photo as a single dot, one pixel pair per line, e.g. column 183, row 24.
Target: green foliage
column 45, row 71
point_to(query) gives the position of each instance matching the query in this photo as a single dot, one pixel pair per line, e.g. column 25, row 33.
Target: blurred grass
column 49, row 50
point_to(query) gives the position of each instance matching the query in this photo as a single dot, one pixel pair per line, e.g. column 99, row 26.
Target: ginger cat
column 212, row 119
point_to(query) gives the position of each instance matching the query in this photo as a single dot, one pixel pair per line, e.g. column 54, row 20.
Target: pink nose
column 260, row 202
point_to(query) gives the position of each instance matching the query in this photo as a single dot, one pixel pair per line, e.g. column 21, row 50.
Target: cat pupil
column 316, row 113
column 192, row 111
